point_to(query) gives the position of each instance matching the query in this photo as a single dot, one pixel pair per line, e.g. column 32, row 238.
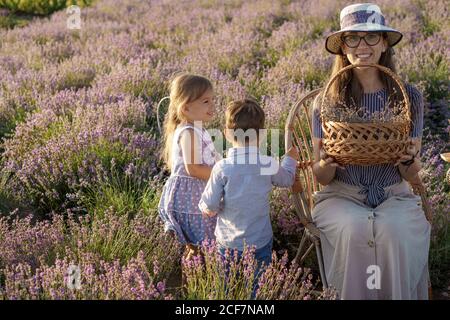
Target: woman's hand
column 410, row 155
column 409, row 163
column 327, row 161
column 324, row 167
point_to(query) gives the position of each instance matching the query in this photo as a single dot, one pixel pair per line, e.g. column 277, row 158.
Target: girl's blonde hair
column 347, row 90
column 184, row 89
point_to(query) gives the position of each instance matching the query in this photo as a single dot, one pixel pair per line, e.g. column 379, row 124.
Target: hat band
column 358, row 17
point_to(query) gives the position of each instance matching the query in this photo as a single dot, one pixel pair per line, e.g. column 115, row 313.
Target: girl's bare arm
column 191, row 149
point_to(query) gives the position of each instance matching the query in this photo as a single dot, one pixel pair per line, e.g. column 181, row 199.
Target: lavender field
column 80, row 175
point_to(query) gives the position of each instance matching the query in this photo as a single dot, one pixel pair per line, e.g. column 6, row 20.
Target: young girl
column 190, row 155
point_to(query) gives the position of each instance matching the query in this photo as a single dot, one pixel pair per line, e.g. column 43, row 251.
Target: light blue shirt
column 238, row 190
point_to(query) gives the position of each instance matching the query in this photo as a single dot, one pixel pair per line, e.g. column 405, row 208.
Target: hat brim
column 333, row 42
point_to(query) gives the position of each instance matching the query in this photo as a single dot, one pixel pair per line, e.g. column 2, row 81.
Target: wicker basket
column 367, row 143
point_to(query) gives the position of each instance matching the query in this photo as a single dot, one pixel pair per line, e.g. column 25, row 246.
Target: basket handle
column 386, row 70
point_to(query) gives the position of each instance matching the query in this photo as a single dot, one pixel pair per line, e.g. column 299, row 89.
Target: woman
column 375, row 237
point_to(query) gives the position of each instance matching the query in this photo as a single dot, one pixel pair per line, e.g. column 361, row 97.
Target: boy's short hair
column 245, row 114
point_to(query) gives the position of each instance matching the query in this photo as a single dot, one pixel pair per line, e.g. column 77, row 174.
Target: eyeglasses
column 353, row 40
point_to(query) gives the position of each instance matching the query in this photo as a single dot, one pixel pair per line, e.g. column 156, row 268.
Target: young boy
column 239, row 186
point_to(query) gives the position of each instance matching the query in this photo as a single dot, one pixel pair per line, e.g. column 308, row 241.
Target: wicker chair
column 298, row 132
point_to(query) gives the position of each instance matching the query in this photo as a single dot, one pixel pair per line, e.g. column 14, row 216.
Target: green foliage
column 440, row 251
column 77, row 79
column 9, row 120
column 434, row 72
column 11, row 20
column 7, row 203
column 429, row 26
column 41, row 7
column 125, row 194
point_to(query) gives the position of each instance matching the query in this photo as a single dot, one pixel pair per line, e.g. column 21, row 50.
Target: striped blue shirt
column 373, row 179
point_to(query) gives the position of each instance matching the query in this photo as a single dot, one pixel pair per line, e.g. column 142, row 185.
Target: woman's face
column 369, row 49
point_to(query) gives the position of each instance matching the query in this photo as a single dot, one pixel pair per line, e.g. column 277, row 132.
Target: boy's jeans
column 262, row 255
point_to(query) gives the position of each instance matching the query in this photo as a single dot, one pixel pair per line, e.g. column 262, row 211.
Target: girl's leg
column 190, row 251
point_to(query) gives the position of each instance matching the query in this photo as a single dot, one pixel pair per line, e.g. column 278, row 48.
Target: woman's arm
column 324, row 167
column 192, row 155
column 410, row 173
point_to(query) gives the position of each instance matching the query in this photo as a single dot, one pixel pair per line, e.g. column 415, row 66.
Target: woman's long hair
column 184, row 89
column 346, row 89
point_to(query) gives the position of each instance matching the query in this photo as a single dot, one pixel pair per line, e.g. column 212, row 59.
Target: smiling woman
column 367, row 214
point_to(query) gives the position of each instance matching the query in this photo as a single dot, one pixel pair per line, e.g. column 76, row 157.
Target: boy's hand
column 297, row 186
column 209, row 214
column 293, row 153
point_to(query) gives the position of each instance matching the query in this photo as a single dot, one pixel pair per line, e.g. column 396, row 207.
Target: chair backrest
column 298, row 132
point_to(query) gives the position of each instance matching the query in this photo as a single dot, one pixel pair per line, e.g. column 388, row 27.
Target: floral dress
column 178, row 206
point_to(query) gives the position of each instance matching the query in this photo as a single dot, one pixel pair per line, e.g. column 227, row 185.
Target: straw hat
column 362, row 17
